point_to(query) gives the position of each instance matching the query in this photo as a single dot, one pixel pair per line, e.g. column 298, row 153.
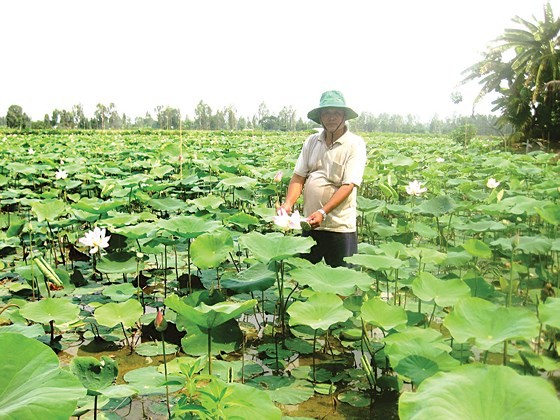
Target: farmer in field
column 328, row 171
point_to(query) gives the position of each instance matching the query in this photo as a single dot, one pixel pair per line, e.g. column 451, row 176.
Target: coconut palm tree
column 519, row 66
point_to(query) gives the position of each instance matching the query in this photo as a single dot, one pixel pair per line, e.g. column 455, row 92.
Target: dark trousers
column 332, row 246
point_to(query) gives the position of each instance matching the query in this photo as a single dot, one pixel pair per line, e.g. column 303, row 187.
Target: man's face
column 332, row 118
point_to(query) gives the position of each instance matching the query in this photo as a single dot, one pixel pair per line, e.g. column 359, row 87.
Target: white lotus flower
column 440, row 160
column 95, row 239
column 31, row 151
column 278, row 176
column 492, row 183
column 415, row 188
column 61, row 174
column 288, row 222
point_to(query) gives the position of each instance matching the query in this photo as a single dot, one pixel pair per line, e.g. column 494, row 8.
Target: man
column 328, row 171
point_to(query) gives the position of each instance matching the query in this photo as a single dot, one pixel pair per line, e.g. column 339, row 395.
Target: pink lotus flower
column 278, row 176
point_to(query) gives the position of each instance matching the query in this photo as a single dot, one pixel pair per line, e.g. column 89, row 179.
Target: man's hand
column 315, row 219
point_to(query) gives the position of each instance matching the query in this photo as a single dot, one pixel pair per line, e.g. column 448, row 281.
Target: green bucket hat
column 331, row 99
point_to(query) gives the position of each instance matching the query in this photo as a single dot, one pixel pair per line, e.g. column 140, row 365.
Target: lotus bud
column 160, row 322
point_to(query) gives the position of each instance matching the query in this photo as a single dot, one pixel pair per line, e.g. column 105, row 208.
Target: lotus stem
column 209, row 343
column 126, row 337
column 314, row 343
column 165, row 372
column 432, row 315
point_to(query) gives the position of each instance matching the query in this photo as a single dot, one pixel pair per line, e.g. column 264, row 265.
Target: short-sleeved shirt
column 327, row 169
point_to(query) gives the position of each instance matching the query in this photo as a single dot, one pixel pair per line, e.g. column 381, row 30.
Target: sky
column 397, row 57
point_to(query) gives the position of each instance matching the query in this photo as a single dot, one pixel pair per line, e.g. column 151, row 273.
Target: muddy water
column 317, row 407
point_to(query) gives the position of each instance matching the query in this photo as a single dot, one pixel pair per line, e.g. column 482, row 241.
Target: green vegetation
column 456, row 279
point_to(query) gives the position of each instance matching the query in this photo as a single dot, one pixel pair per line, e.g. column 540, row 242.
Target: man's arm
column 295, row 187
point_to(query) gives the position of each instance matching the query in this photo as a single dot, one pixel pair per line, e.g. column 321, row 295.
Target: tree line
column 107, row 117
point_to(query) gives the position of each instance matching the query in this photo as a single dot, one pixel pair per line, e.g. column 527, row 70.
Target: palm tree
column 525, row 97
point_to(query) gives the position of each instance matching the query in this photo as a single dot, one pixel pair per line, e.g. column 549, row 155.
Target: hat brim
column 315, row 114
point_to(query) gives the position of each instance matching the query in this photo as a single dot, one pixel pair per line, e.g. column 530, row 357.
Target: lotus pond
column 142, row 276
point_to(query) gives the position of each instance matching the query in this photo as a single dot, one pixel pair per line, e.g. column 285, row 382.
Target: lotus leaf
column 477, row 248
column 341, row 280
column 383, row 315
column 437, row 206
column 549, row 312
column 375, row 262
column 256, row 278
column 209, row 250
column 275, row 246
column 111, row 314
column 489, row 324
column 480, row 392
column 119, row 263
column 32, row 384
column 49, row 210
column 320, row 311
column 429, row 288
column 59, row 310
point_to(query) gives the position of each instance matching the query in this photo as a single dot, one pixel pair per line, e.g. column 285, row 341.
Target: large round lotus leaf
column 97, row 206
column 284, row 390
column 148, row 381
column 120, row 292
column 243, row 220
column 477, row 248
column 155, row 348
column 375, row 262
column 429, row 288
column 119, row 263
column 413, row 342
column 113, row 313
column 207, row 316
column 482, row 226
column 538, row 245
column 238, row 181
column 383, row 315
column 188, row 226
column 208, row 202
column 256, row 278
column 489, row 324
column 320, row 311
column 225, row 338
column 49, row 210
column 437, row 206
column 549, row 312
column 416, row 368
column 341, row 280
column 480, row 392
column 275, row 246
column 138, row 231
column 209, row 250
column 32, row 385
column 94, row 374
column 44, row 311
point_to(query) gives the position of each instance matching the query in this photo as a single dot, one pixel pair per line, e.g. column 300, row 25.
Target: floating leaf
column 44, row 311
column 113, row 313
